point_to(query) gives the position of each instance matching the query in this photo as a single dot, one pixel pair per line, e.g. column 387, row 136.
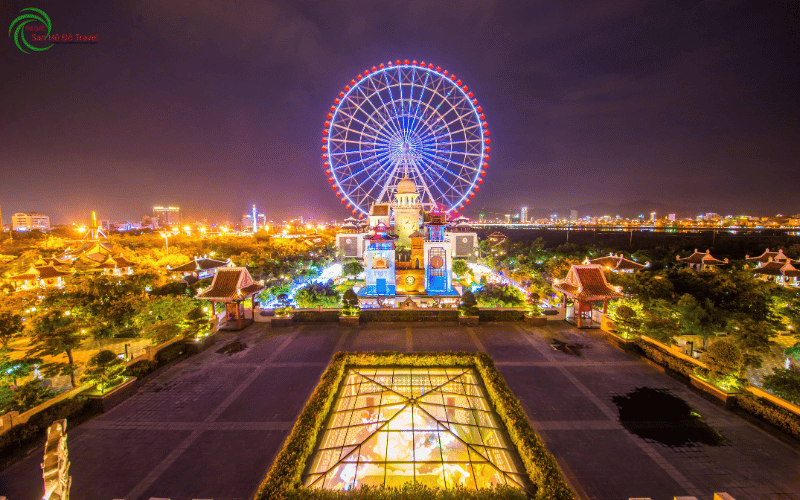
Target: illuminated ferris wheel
column 405, row 118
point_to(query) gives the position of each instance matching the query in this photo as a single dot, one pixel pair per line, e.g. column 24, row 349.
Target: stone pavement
column 209, row 426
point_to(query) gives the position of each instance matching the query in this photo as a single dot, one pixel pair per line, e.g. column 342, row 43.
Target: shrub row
column 24, row 434
column 664, row 358
column 501, row 315
column 415, row 491
column 316, row 316
column 284, row 477
column 409, row 315
column 774, row 415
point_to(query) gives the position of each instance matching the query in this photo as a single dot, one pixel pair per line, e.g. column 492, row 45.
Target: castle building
column 405, row 260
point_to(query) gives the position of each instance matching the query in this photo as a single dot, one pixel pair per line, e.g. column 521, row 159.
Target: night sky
column 214, row 106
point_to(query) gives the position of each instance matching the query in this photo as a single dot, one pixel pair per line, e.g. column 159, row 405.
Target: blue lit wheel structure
column 405, row 117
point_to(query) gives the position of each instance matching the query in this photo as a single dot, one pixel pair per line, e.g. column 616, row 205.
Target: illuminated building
column 523, row 215
column 167, row 216
column 28, row 221
column 232, row 286
column 199, row 268
column 38, row 276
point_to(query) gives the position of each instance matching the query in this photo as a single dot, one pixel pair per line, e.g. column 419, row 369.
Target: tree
column 350, row 303
column 315, row 294
column 11, row 369
column 56, row 332
column 469, row 306
column 10, row 326
column 699, row 319
column 493, row 295
column 626, row 320
column 784, row 384
column 104, row 369
column 352, row 268
column 460, row 268
column 533, row 307
column 196, row 322
column 30, row 395
column 724, row 360
column 753, row 338
column 660, row 321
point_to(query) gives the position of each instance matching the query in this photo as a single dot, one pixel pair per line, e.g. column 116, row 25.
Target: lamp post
column 166, row 244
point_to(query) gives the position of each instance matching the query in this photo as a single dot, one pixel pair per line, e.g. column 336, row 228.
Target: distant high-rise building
column 26, row 221
column 523, row 215
column 712, row 215
column 167, row 216
column 652, row 216
column 573, row 215
column 508, row 218
column 672, row 217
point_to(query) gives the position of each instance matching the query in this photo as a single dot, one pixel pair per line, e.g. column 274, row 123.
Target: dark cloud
column 218, row 105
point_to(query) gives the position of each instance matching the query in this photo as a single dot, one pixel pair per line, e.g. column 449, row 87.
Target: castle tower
column 407, row 208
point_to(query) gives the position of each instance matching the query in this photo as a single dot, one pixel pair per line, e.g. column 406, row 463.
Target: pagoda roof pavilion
column 231, row 284
column 776, row 268
column 768, row 256
column 617, row 263
column 200, row 264
column 700, row 260
column 586, row 282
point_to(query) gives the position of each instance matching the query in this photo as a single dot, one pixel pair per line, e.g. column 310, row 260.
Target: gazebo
column 232, row 286
column 617, row 263
column 701, row 260
column 585, row 284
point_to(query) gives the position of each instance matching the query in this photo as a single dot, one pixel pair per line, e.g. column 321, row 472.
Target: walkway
column 209, row 426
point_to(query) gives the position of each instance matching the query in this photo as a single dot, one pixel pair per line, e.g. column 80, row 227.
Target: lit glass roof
column 435, row 426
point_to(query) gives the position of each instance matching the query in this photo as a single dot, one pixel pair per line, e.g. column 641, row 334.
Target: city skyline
column 215, row 113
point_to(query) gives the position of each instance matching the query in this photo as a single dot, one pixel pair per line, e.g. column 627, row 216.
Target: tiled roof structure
column 617, row 262
column 231, row 284
column 586, row 282
column 701, row 258
column 774, row 268
column 380, row 209
column 768, row 256
column 40, row 272
column 200, row 264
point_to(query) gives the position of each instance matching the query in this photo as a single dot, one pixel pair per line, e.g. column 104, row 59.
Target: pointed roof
column 40, row 272
column 416, row 234
column 767, row 256
column 617, row 263
column 775, row 268
column 115, row 263
column 586, row 282
column 231, row 283
column 702, row 258
column 199, row 264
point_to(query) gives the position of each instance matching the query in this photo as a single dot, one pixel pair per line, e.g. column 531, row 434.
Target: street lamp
column 166, row 236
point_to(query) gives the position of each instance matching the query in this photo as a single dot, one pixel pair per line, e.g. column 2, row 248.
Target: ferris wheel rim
column 381, row 122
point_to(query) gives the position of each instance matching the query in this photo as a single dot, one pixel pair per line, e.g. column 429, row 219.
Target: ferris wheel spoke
column 347, row 166
column 396, row 115
column 386, row 121
column 378, row 167
column 425, row 185
column 434, row 159
column 436, row 184
column 385, row 185
column 353, row 118
column 418, row 101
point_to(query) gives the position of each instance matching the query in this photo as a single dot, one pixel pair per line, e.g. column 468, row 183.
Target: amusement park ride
column 404, row 139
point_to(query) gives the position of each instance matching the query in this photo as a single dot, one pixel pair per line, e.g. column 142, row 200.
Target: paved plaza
column 209, row 426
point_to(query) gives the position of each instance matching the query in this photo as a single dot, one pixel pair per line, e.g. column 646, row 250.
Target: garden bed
column 284, row 478
column 102, row 403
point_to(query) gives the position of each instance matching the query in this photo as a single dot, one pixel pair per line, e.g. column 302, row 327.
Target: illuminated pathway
column 208, row 426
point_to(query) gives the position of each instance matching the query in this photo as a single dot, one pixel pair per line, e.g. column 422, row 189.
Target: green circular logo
column 38, row 16
column 410, row 280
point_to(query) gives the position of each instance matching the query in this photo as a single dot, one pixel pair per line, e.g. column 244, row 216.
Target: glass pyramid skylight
column 435, row 426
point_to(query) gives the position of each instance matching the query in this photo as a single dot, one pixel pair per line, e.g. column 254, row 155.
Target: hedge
column 766, row 411
column 415, row 491
column 429, row 314
column 313, row 316
column 24, row 434
column 664, row 358
column 501, row 315
column 284, row 478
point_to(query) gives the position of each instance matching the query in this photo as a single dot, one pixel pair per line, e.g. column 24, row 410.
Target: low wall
column 14, row 418
column 775, row 400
